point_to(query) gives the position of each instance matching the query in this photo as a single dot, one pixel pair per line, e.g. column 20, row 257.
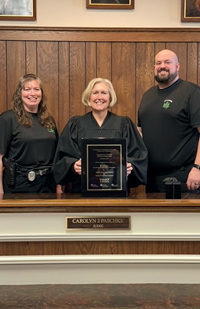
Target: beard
column 165, row 79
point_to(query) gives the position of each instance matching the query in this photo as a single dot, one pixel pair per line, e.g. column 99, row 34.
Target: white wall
column 73, row 13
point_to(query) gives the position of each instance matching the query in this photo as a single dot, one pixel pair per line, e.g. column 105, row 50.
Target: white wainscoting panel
column 144, row 226
column 92, row 269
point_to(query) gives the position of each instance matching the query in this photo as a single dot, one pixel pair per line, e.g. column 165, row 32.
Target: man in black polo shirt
column 169, row 120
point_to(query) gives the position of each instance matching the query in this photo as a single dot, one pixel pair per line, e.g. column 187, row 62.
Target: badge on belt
column 31, row 175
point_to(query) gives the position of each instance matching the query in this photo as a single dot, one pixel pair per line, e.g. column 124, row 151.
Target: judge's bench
column 68, row 239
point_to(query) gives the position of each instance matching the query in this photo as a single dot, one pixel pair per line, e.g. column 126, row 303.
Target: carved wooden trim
column 100, row 34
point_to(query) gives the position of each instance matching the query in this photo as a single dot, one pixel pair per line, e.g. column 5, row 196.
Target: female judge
column 100, row 122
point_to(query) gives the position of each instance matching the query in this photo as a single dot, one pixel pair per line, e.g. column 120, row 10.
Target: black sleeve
column 6, row 129
column 67, row 153
column 137, row 155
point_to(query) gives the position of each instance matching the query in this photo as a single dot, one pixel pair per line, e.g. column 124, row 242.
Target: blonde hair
column 87, row 93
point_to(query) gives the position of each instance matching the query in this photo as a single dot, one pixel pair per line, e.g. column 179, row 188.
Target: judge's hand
column 193, row 181
column 129, row 168
column 77, row 167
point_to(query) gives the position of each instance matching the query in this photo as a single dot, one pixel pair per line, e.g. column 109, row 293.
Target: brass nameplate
column 100, row 223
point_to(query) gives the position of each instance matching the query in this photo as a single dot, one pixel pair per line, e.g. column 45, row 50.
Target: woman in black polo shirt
column 28, row 141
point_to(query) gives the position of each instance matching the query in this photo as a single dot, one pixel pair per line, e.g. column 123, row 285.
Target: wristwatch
column 196, row 166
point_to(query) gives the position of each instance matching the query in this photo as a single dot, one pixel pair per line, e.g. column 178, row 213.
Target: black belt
column 32, row 173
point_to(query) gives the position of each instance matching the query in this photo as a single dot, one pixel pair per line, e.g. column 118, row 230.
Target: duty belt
column 32, row 173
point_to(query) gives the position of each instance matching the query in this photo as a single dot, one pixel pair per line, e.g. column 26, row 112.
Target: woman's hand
column 59, row 189
column 77, row 167
column 129, row 169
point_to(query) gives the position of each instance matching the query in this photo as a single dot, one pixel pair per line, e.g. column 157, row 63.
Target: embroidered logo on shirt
column 51, row 130
column 167, row 104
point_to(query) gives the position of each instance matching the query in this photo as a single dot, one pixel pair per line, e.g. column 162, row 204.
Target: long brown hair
column 23, row 116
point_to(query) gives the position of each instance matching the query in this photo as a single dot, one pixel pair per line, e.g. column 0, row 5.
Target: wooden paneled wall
column 67, row 59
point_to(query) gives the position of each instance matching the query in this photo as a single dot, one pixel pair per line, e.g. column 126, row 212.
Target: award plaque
column 104, row 167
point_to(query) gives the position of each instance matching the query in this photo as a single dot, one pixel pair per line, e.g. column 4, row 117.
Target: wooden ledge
column 75, row 203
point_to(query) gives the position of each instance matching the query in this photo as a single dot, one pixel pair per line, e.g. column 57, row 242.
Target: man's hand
column 193, row 181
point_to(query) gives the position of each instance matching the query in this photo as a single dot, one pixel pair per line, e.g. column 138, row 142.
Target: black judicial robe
column 114, row 126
